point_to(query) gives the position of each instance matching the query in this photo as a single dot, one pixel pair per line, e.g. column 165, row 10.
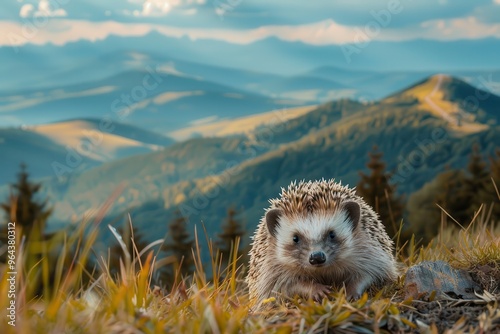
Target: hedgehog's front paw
column 320, row 291
column 353, row 292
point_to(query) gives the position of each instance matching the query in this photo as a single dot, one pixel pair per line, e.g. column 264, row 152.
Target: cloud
column 155, row 8
column 60, row 32
column 27, row 10
column 325, row 32
column 466, row 28
column 44, row 9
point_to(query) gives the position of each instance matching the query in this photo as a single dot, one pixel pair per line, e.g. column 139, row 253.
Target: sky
column 318, row 22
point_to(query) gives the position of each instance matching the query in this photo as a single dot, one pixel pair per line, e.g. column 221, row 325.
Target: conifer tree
column 30, row 216
column 232, row 231
column 425, row 216
column 477, row 189
column 495, row 184
column 380, row 194
column 180, row 245
column 495, row 166
column 459, row 192
column 23, row 208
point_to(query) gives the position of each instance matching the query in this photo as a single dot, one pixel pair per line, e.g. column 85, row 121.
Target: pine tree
column 376, row 191
column 450, row 184
column 477, row 183
column 495, row 184
column 30, row 216
column 180, row 245
column 495, row 167
column 425, row 216
column 24, row 209
column 459, row 192
column 232, row 233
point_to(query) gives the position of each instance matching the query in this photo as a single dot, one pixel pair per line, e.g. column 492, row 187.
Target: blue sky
column 318, row 22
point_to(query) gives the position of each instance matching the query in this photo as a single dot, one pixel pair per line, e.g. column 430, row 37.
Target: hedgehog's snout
column 317, row 258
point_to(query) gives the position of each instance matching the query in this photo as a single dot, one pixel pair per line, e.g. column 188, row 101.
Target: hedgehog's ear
column 353, row 212
column 272, row 217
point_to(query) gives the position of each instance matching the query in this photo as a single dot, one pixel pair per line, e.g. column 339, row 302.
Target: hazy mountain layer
column 64, row 148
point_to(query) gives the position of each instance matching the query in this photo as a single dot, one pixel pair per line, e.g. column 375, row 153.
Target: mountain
column 146, row 176
column 174, row 172
column 182, row 164
column 104, row 78
column 192, row 92
column 467, row 109
column 103, row 140
column 296, row 87
column 240, row 125
column 99, row 68
column 269, row 55
column 72, row 146
column 373, row 85
column 237, row 65
column 154, row 99
column 37, row 151
column 370, row 85
column 417, row 144
column 310, row 123
column 303, row 88
column 204, row 176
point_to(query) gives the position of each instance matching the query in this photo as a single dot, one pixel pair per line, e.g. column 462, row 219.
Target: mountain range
column 269, row 55
column 106, row 78
column 422, row 130
column 333, row 142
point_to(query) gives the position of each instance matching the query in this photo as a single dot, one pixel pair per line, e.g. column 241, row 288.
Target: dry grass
column 130, row 303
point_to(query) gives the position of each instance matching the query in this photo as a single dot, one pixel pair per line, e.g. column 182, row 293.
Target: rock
column 428, row 276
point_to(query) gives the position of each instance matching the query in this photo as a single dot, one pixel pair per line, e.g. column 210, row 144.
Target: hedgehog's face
column 313, row 241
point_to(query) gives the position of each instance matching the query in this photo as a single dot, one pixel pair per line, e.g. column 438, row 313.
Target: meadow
column 214, row 298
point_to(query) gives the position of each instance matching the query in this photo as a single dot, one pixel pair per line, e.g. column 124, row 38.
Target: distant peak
column 88, row 120
column 445, row 97
column 440, row 76
column 444, row 78
column 442, row 84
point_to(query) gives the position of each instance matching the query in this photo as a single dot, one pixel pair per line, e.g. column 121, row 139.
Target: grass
column 80, row 301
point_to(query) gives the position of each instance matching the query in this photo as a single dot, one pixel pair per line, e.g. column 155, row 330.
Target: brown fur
column 358, row 255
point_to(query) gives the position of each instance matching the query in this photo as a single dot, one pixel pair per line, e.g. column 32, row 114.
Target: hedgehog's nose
column 317, row 258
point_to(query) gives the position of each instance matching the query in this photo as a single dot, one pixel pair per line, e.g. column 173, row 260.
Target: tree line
column 455, row 196
column 30, row 213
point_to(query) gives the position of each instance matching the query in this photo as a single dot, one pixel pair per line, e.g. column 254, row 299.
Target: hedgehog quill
column 316, row 236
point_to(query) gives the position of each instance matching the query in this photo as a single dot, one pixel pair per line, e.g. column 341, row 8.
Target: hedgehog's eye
column 296, row 238
column 331, row 235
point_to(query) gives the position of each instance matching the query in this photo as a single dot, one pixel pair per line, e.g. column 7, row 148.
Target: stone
column 428, row 276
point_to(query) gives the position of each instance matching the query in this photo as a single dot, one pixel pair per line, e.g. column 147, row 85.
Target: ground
column 131, row 303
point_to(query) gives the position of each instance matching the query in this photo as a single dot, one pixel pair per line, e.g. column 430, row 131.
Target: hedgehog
column 316, row 237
